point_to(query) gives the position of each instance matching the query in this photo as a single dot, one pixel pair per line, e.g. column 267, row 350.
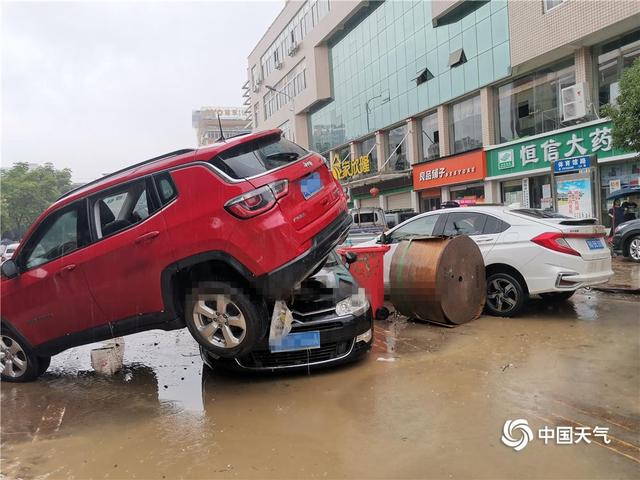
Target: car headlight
column 354, row 305
column 618, row 228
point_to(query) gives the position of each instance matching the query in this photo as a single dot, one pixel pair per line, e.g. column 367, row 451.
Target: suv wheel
column 505, row 295
column 557, row 296
column 17, row 361
column 224, row 320
column 633, row 250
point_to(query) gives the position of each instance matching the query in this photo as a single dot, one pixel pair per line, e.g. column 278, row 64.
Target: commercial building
column 473, row 101
column 205, row 121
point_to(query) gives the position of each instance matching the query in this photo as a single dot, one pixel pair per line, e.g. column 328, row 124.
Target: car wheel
column 557, row 296
column 633, row 250
column 505, row 295
column 224, row 319
column 17, row 360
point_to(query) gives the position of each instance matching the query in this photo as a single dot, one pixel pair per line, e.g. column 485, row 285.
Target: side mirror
column 382, row 239
column 350, row 257
column 9, row 269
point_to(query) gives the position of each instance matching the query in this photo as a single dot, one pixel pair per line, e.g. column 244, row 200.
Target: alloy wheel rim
column 219, row 320
column 634, row 249
column 502, row 295
column 13, row 360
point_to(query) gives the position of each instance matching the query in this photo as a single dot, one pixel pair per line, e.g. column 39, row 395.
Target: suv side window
column 467, row 223
column 59, row 234
column 122, row 207
column 166, row 188
column 419, row 226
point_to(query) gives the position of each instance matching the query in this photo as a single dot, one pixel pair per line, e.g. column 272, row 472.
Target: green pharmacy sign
column 541, row 151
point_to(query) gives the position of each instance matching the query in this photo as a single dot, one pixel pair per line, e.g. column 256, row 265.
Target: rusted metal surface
column 438, row 279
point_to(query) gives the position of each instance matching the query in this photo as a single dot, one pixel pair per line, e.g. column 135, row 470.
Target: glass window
column 466, row 125
column 430, row 137
column 122, row 208
column 397, row 138
column 549, row 4
column 494, row 225
column 368, row 146
column 467, row 223
column 531, row 105
column 419, row 226
column 258, row 156
column 60, row 234
column 166, row 188
column 613, row 58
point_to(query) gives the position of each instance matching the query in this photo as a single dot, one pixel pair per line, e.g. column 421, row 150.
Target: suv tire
column 633, row 248
column 505, row 295
column 224, row 319
column 557, row 296
column 18, row 361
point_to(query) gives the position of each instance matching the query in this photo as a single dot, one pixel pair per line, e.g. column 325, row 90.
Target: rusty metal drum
column 438, row 279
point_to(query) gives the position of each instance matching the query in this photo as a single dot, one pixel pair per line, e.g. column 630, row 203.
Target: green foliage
column 25, row 192
column 626, row 114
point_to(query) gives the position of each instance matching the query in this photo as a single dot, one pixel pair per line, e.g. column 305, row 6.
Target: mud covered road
column 428, row 402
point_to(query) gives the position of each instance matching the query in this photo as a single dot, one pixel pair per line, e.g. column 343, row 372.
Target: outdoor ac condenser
column 574, row 102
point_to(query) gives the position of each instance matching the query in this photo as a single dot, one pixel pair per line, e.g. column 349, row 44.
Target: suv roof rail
column 136, row 165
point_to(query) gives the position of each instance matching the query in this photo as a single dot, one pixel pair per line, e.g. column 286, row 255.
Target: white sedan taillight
column 257, row 201
column 556, row 241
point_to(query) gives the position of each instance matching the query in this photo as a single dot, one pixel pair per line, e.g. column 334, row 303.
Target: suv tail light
column 257, row 201
column 556, row 241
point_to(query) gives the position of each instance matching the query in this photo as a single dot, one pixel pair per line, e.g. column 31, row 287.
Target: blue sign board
column 571, row 164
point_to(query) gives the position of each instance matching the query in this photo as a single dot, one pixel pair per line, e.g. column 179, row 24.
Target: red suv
column 205, row 238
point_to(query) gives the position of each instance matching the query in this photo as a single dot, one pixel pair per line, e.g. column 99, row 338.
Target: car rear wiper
column 290, row 156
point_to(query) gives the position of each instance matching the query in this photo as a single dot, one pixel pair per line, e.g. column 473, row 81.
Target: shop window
column 466, row 125
column 613, row 58
column 531, row 105
column 368, row 147
column 397, row 151
column 430, row 137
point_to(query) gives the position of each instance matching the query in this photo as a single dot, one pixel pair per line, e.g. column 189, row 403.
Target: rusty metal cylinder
column 438, row 279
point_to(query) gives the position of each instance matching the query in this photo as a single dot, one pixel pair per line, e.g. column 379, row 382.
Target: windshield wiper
column 290, row 156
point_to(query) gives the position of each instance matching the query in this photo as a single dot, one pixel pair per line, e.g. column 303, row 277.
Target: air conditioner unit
column 574, row 102
column 293, row 48
column 278, row 64
column 256, row 87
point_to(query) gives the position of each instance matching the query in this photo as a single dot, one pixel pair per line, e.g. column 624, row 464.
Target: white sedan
column 525, row 251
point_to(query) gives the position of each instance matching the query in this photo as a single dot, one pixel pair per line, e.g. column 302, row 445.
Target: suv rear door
column 312, row 189
column 130, row 251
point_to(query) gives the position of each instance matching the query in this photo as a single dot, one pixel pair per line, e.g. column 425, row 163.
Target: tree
column 625, row 116
column 25, row 192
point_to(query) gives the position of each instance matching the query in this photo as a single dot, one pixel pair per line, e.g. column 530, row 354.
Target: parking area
column 427, row 401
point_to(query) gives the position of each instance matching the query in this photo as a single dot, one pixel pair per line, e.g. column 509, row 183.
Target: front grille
column 327, row 352
column 301, row 327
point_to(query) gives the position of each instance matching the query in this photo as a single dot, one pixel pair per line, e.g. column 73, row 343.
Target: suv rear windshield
column 258, row 156
column 532, row 212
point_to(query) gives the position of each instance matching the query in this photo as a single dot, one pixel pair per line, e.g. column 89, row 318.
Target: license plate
column 594, row 243
column 296, row 341
column 310, row 185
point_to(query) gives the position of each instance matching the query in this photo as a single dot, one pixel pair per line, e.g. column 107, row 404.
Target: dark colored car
column 626, row 240
column 323, row 308
column 242, row 221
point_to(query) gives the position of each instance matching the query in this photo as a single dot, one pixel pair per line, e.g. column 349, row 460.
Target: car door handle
column 67, row 268
column 147, row 236
column 483, row 239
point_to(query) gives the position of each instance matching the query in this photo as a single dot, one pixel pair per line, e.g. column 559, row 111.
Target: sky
column 96, row 86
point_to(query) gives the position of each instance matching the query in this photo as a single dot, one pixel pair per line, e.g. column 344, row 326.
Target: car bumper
column 279, row 283
column 559, row 278
column 338, row 345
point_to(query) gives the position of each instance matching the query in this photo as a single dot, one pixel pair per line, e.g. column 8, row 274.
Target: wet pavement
column 626, row 276
column 428, row 402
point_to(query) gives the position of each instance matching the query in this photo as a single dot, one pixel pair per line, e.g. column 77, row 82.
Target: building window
column 430, row 137
column 613, row 58
column 286, row 89
column 397, row 149
column 368, row 147
column 531, row 105
column 466, row 125
column 549, row 4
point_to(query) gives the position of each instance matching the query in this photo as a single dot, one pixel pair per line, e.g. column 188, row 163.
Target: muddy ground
column 434, row 408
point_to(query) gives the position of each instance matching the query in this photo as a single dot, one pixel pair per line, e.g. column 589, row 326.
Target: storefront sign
column 535, row 153
column 463, row 168
column 525, row 193
column 344, row 169
column 571, row 164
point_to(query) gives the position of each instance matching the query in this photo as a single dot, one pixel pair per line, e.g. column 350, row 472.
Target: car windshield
column 536, row 213
column 258, row 156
